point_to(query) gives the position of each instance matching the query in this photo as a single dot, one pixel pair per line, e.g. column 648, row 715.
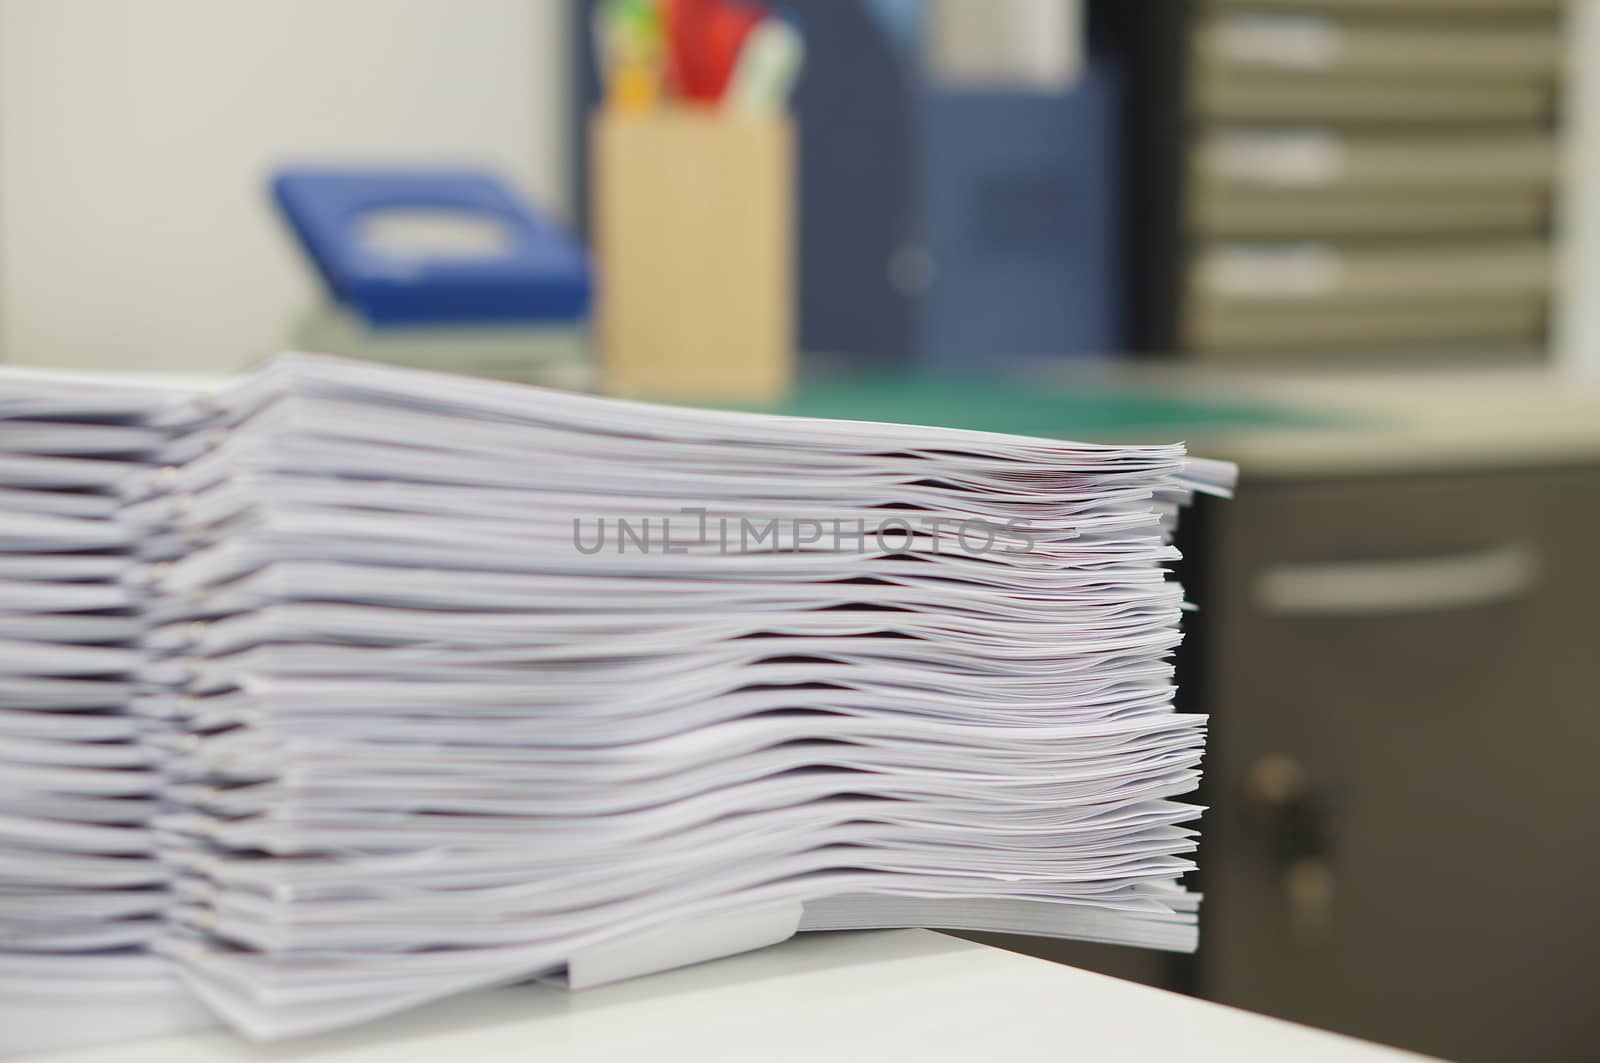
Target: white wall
column 136, row 137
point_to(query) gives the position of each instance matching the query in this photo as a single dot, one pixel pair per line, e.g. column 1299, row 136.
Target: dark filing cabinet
column 1404, row 677
column 1315, row 179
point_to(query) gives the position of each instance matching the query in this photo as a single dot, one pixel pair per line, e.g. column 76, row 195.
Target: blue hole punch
column 515, row 268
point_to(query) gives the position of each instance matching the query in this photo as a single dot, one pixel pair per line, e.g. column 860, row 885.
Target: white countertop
column 1398, row 421
column 882, row 996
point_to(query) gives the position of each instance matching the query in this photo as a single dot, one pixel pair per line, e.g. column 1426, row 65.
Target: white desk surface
column 882, row 996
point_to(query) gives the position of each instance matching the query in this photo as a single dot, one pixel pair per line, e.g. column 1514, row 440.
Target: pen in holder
column 694, row 234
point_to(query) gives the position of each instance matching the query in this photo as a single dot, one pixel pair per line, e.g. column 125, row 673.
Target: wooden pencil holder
column 693, row 227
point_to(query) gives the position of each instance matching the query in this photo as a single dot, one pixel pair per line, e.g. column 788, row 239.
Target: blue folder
column 1024, row 225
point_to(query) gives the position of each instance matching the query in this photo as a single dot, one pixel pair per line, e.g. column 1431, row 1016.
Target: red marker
column 684, row 24
column 727, row 29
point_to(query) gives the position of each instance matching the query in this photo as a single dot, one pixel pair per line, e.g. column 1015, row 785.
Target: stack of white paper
column 461, row 680
column 81, row 891
column 350, row 687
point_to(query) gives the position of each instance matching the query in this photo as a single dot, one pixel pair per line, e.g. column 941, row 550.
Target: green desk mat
column 1030, row 408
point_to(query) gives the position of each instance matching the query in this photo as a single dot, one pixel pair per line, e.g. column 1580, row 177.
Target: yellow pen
column 630, row 39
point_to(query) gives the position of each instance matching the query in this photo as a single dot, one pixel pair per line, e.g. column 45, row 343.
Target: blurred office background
column 1350, row 244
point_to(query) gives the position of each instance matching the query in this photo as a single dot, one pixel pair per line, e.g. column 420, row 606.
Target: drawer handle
column 1357, row 588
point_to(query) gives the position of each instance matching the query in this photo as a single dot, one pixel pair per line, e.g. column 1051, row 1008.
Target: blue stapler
column 440, row 268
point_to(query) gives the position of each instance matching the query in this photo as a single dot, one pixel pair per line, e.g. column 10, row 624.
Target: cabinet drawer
column 1253, row 96
column 1257, row 213
column 1302, row 47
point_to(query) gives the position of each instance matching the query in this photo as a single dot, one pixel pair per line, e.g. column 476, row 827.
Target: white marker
column 765, row 72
